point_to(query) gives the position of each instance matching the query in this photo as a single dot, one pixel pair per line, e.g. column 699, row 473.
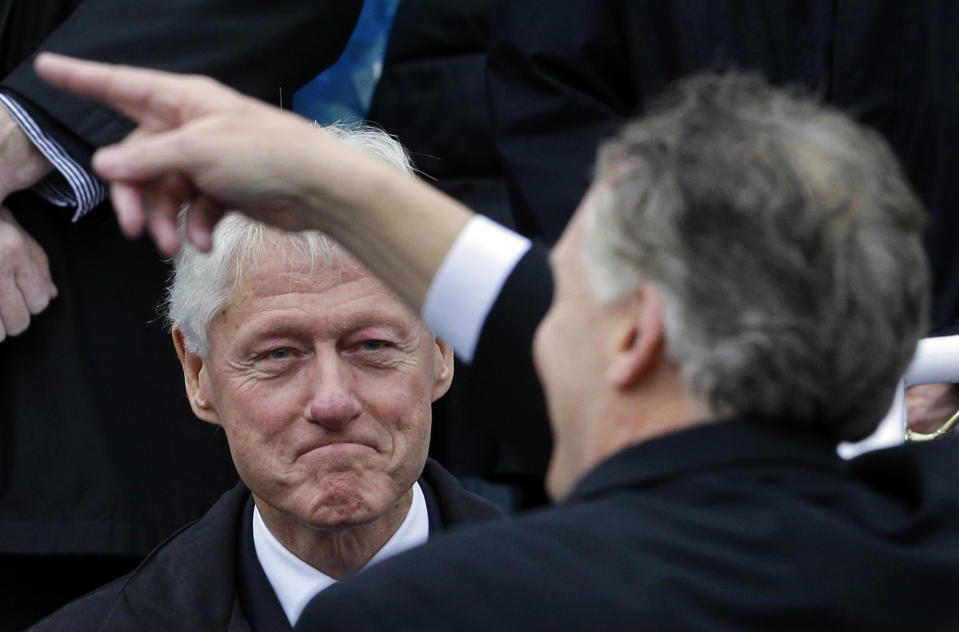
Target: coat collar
column 186, row 583
column 450, row 505
column 710, row 446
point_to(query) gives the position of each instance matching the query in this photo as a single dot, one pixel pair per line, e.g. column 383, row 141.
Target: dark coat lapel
column 449, row 504
column 258, row 599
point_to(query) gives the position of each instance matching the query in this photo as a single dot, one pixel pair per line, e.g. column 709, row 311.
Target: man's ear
column 443, row 369
column 194, row 378
column 639, row 346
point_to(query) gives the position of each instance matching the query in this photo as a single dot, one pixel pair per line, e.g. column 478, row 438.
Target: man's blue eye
column 372, row 345
column 279, row 354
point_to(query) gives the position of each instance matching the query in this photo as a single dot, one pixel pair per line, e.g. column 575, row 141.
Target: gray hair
column 785, row 241
column 202, row 284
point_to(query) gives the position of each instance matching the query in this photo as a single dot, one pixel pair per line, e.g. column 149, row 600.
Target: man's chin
column 560, row 479
column 342, row 503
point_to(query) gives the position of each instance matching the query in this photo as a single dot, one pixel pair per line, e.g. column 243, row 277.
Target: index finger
column 152, row 98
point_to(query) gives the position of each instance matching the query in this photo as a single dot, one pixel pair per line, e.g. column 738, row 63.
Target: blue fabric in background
column 344, row 90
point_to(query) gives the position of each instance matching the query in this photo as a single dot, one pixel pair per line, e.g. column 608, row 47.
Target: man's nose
column 332, row 401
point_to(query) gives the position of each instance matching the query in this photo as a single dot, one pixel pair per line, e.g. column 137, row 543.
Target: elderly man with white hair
column 322, row 381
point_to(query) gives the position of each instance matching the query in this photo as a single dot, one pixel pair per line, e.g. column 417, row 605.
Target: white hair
column 202, row 284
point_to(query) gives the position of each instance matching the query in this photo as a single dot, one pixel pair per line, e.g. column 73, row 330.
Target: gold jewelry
column 944, row 429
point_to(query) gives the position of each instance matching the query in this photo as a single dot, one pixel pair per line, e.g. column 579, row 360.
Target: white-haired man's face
column 323, row 382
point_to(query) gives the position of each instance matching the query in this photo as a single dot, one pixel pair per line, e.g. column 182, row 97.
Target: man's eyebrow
column 284, row 327
column 379, row 320
column 279, row 328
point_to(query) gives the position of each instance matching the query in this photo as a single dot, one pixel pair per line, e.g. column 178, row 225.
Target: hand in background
column 928, row 406
column 25, row 284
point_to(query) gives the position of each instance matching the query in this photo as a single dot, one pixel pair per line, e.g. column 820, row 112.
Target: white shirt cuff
column 468, row 282
column 74, row 186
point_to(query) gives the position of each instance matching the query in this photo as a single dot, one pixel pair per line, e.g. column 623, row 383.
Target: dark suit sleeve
column 503, row 392
column 259, row 48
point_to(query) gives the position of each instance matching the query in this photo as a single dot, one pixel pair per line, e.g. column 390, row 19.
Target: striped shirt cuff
column 71, row 185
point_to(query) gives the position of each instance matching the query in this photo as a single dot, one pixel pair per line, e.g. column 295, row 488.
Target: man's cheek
column 539, row 344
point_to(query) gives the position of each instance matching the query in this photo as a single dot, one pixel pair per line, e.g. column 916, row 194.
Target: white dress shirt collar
column 295, row 582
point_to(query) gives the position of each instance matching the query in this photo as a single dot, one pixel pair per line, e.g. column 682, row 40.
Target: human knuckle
column 39, row 304
column 12, row 248
column 201, row 82
column 8, row 235
column 40, row 258
column 18, row 325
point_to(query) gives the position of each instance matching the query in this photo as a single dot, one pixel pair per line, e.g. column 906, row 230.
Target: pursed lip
column 345, row 442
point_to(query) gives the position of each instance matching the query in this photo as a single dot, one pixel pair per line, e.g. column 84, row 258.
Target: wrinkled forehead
column 283, row 267
column 294, row 262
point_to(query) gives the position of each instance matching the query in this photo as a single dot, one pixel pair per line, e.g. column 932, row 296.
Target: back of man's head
column 787, row 245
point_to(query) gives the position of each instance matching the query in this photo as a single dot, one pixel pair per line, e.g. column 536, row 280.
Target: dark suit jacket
column 734, row 525
column 207, row 577
column 503, row 363
column 563, row 74
column 99, row 451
